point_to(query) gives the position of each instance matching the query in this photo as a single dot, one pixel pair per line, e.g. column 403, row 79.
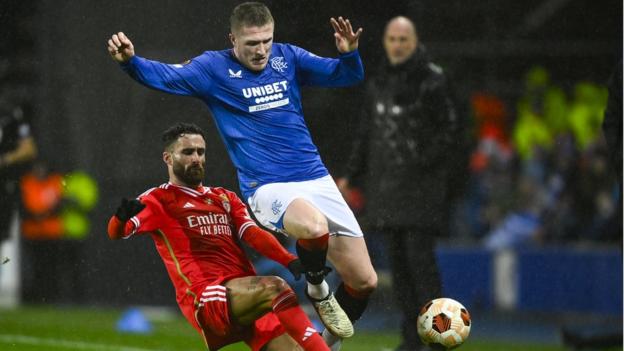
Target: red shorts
column 213, row 316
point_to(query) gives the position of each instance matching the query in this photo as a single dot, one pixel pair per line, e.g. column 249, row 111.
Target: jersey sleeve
column 149, row 219
column 345, row 70
column 240, row 215
column 266, row 244
column 189, row 78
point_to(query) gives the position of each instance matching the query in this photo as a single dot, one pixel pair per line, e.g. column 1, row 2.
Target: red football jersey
column 197, row 233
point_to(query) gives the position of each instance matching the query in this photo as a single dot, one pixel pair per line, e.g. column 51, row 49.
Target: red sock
column 315, row 244
column 296, row 322
column 356, row 294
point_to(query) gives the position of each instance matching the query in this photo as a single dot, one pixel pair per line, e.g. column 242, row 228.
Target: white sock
column 319, row 291
column 334, row 342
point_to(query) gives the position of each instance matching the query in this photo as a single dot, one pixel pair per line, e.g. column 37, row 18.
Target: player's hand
column 346, row 40
column 296, row 268
column 120, row 47
column 128, row 209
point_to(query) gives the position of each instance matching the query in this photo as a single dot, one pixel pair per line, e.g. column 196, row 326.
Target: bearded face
column 186, row 160
column 192, row 174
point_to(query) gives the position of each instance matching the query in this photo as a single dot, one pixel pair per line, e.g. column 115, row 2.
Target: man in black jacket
column 408, row 156
column 17, row 149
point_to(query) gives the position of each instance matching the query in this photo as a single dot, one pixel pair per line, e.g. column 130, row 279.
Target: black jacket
column 410, row 146
column 612, row 124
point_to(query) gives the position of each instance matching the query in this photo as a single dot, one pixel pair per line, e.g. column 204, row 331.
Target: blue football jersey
column 258, row 114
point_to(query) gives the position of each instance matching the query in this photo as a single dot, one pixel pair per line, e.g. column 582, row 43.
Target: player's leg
column 287, row 208
column 346, row 241
column 349, row 256
column 305, row 222
column 283, row 342
column 252, row 297
column 281, row 207
column 309, row 226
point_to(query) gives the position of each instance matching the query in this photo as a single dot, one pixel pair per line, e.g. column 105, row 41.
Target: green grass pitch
column 57, row 329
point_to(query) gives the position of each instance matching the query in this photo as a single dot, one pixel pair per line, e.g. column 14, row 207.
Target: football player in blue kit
column 253, row 92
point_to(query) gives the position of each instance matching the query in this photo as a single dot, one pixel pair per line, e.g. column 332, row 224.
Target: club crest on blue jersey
column 278, row 64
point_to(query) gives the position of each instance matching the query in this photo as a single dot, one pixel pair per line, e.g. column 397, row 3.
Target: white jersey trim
column 244, row 227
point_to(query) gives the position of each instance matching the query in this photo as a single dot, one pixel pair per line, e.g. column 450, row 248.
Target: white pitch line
column 80, row 345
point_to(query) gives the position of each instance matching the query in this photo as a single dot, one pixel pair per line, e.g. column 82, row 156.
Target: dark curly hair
column 172, row 134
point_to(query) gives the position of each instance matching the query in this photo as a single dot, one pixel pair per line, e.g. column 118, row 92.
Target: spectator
column 409, row 155
column 17, row 148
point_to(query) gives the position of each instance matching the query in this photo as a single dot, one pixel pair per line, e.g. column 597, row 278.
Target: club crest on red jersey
column 225, row 202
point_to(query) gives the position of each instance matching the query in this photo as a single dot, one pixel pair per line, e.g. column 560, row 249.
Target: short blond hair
column 250, row 14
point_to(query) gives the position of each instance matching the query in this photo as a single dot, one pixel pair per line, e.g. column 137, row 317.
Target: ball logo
column 444, row 322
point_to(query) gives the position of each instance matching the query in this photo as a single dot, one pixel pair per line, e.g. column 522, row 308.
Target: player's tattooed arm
column 253, row 283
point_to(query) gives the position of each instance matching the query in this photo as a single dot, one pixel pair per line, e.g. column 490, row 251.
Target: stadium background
column 87, row 114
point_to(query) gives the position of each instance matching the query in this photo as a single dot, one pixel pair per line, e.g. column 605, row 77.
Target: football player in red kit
column 198, row 232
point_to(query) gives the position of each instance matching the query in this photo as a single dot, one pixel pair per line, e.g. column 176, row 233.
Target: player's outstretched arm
column 346, row 39
column 125, row 211
column 266, row 244
column 181, row 79
column 120, row 48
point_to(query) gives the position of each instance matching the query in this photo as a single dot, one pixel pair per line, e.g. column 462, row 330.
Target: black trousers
column 415, row 275
column 9, row 200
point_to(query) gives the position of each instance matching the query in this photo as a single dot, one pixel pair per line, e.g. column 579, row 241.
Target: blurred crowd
column 540, row 171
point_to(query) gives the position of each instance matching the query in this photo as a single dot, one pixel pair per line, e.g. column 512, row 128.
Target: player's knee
column 304, row 221
column 274, row 286
column 371, row 284
column 316, row 226
column 366, row 286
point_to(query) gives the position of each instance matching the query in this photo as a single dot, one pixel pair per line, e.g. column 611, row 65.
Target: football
column 444, row 323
